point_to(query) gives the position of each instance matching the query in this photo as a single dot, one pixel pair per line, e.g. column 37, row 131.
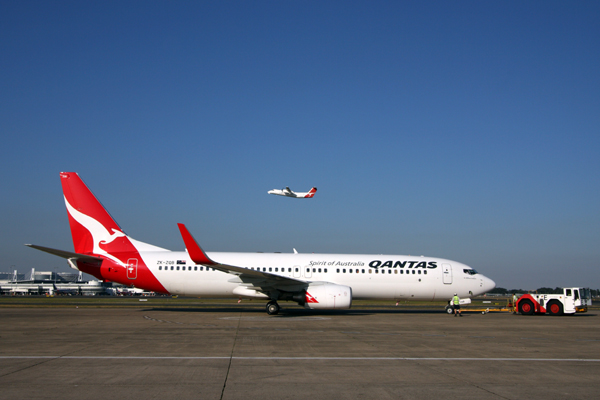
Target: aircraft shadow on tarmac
column 300, row 312
column 292, row 312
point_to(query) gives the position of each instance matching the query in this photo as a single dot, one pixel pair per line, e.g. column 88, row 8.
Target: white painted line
column 278, row 318
column 302, row 358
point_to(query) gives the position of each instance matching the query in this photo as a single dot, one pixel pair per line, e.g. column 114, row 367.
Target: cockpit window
column 470, row 271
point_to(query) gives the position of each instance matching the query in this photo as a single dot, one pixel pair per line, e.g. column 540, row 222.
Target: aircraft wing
column 258, row 280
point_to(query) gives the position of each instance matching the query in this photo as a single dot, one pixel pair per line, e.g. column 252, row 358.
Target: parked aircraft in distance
column 315, row 281
column 63, row 292
column 286, row 191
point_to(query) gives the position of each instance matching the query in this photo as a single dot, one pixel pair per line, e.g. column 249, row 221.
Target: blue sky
column 463, row 130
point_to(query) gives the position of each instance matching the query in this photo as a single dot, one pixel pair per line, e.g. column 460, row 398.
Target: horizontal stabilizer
column 67, row 254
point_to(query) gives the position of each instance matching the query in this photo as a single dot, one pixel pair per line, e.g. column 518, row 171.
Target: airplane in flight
column 314, row 281
column 286, row 191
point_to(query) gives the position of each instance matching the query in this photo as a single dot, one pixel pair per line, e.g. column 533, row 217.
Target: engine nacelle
column 322, row 296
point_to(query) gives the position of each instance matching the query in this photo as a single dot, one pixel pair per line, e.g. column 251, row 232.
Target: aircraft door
column 132, row 264
column 296, row 271
column 447, row 273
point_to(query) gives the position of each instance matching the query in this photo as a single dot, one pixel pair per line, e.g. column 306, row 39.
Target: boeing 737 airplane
column 286, row 191
column 315, row 281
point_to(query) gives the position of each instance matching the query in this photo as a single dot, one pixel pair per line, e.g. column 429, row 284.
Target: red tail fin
column 91, row 225
column 311, row 192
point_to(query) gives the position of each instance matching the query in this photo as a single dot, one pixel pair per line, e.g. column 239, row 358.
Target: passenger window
column 396, row 271
column 419, row 272
column 363, row 271
column 314, row 270
column 270, row 269
column 349, row 271
column 319, row 270
column 296, row 269
column 337, row 270
column 177, row 268
column 376, row 271
column 401, row 271
column 325, row 270
column 189, row 268
column 344, row 270
column 425, row 272
column 196, row 268
column 389, row 271
column 160, row 268
column 370, row 271
column 413, row 271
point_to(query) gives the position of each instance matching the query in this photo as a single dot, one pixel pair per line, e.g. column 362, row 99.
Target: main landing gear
column 272, row 308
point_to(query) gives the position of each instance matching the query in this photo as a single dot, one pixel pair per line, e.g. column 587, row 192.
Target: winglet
column 194, row 250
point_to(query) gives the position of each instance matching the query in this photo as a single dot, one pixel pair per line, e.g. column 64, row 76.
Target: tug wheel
column 526, row 307
column 555, row 308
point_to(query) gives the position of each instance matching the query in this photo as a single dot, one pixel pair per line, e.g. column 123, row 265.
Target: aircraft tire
column 272, row 308
column 555, row 308
column 526, row 307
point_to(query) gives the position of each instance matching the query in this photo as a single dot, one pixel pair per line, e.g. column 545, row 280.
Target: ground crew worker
column 456, row 304
column 514, row 303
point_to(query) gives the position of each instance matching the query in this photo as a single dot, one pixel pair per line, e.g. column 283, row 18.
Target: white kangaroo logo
column 100, row 235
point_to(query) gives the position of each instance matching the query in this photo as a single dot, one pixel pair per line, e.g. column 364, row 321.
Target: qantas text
column 377, row 264
column 402, row 264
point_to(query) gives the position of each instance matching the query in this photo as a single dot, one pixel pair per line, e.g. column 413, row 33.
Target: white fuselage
column 419, row 278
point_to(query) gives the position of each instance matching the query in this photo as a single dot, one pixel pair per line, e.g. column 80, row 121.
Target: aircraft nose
column 488, row 284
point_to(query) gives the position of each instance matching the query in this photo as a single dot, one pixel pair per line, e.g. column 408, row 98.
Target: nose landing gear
column 272, row 308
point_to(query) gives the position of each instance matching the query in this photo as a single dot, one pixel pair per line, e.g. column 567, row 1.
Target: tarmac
column 231, row 352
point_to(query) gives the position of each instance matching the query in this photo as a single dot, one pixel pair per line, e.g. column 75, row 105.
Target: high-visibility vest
column 456, row 300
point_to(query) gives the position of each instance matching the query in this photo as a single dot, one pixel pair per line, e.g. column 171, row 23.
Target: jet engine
column 323, row 296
